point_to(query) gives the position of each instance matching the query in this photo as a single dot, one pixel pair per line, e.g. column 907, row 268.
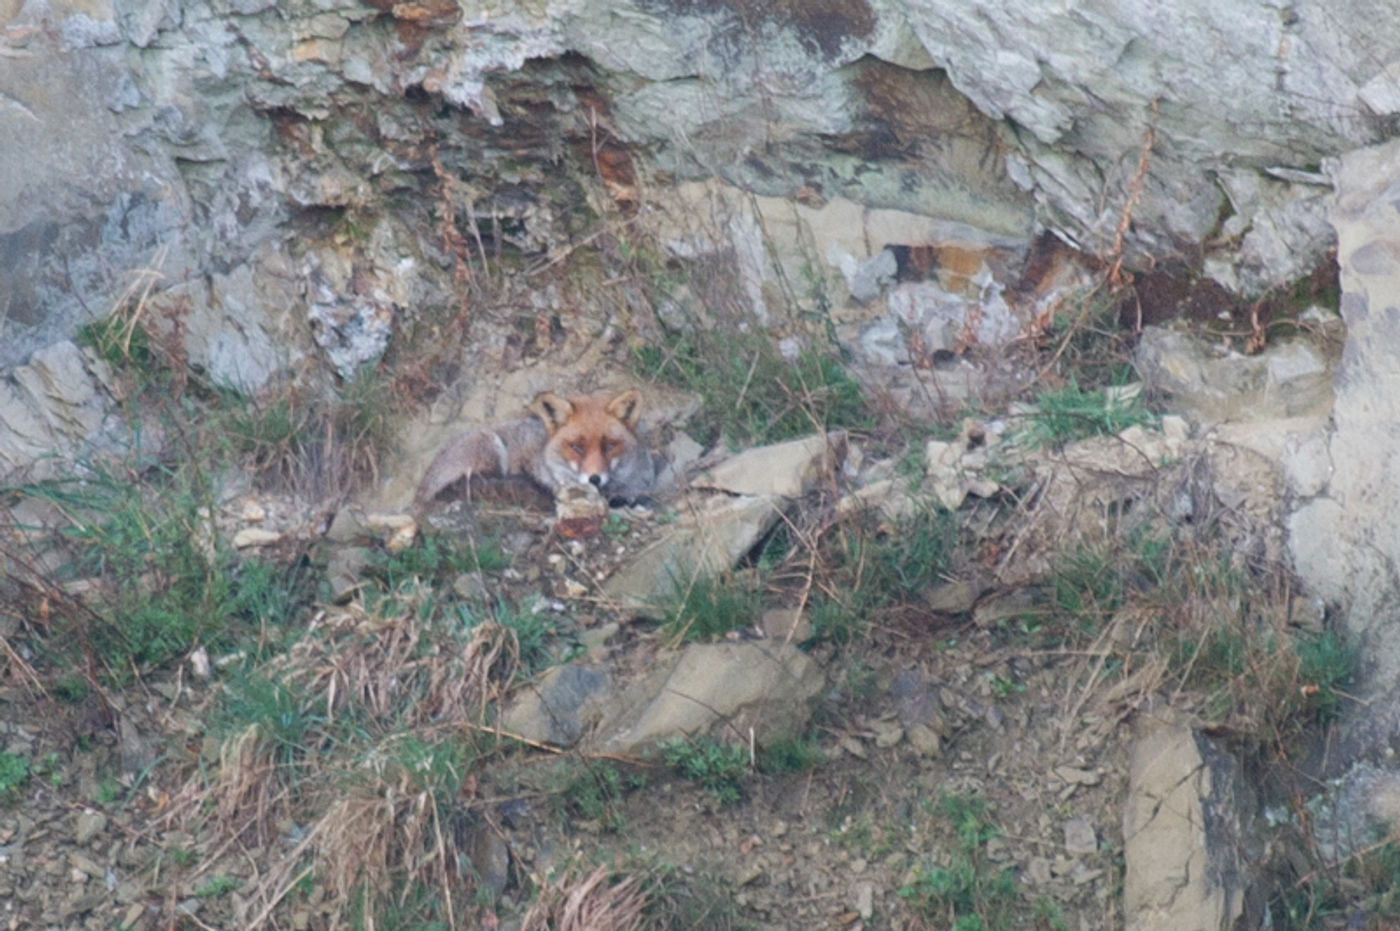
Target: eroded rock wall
column 192, row 136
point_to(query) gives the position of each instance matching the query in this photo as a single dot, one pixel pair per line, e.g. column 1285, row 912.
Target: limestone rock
column 1183, row 832
column 724, row 689
column 705, row 541
column 562, row 706
column 787, row 470
column 1344, row 540
column 1213, row 384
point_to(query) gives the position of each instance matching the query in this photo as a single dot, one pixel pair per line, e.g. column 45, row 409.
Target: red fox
column 590, row 439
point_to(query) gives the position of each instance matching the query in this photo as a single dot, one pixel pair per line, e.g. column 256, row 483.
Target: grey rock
column 723, row 689
column 345, row 572
column 562, row 706
column 787, row 470
column 1080, row 837
column 866, row 280
column 1184, row 832
column 704, row 542
column 88, row 825
column 1211, row 384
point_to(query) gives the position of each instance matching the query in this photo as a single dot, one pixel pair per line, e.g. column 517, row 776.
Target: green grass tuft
column 751, row 395
column 712, row 764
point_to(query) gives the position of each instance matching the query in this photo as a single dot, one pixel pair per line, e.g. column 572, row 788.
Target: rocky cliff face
column 281, row 164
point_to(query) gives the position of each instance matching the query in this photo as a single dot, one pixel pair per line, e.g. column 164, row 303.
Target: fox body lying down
column 581, row 440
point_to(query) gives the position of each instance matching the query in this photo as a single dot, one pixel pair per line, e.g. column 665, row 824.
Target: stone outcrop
column 207, row 141
column 1345, row 537
column 1182, row 833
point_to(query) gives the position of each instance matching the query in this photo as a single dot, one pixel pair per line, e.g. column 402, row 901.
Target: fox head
column 588, row 436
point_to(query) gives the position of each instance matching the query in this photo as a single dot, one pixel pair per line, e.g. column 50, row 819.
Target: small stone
column 1038, row 869
column 953, row 597
column 86, row 865
column 253, row 513
column 925, row 741
column 250, row 537
column 1078, row 777
column 402, row 538
column 471, row 586
column 1080, row 837
column 887, row 734
column 863, row 899
column 199, row 662
column 787, row 624
column 88, row 825
column 574, row 589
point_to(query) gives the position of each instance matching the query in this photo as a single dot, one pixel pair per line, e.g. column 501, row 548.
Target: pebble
column 863, row 900
column 250, row 537
column 88, row 825
column 1080, row 837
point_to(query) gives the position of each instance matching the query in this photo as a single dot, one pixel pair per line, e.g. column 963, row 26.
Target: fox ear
column 627, row 407
column 552, row 410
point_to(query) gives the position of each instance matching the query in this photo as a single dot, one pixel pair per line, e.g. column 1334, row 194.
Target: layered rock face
column 280, row 164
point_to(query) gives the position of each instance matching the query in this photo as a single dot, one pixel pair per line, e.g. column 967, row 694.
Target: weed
column 1048, row 913
column 279, row 708
column 322, row 443
column 1181, row 605
column 710, row 606
column 535, row 629
column 874, row 570
column 593, row 900
column 1325, row 665
column 143, row 544
column 690, row 897
column 438, row 558
column 182, row 856
column 1072, row 413
column 751, row 394
column 124, row 345
column 434, row 767
column 859, row 831
column 14, row 775
column 216, row 886
column 108, row 790
column 790, row 756
column 712, row 764
column 1003, row 687
column 594, row 792
column 1365, row 888
column 969, row 889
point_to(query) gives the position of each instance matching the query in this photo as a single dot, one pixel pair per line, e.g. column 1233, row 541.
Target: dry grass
column 591, row 902
column 398, row 669
column 383, row 771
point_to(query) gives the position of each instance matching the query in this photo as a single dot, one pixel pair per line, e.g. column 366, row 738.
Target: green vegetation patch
column 751, row 395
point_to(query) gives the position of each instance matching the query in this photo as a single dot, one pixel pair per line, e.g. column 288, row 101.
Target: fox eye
column 610, row 447
column 576, row 448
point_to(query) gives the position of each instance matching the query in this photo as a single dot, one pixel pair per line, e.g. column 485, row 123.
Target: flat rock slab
column 720, row 689
column 1181, row 830
column 788, row 470
column 715, row 534
column 559, row 708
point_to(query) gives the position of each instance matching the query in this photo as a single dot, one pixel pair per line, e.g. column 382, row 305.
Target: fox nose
column 596, row 481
